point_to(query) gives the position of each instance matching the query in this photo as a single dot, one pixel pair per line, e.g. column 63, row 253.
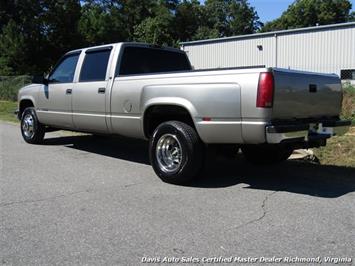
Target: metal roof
column 280, row 32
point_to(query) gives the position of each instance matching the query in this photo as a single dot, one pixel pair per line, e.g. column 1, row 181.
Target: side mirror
column 39, row 79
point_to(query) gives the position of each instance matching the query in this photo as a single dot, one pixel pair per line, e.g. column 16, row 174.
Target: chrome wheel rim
column 169, row 153
column 28, row 126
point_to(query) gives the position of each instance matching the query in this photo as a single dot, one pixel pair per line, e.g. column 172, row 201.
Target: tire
column 31, row 129
column 176, row 152
column 266, row 153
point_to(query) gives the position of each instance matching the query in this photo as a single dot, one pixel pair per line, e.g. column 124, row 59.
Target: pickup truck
column 148, row 92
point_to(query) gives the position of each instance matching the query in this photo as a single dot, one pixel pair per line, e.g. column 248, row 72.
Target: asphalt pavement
column 86, row 200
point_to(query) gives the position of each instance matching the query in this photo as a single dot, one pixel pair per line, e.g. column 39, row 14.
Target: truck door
column 90, row 92
column 55, row 99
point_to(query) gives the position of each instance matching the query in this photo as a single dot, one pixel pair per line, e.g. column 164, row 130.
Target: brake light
column 265, row 90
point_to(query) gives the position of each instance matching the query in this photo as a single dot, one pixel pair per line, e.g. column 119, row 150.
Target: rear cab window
column 147, row 60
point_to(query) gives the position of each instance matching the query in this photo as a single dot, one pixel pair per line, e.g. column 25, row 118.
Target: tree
column 101, row 23
column 231, row 17
column 5, row 12
column 204, row 32
column 134, row 12
column 35, row 33
column 306, row 13
column 12, row 50
column 187, row 20
column 20, row 36
column 45, row 29
column 243, row 19
column 156, row 29
column 59, row 28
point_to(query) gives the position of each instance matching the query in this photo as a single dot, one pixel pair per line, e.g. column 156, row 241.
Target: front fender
column 29, row 92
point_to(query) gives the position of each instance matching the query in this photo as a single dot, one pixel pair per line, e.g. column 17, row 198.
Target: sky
column 272, row 9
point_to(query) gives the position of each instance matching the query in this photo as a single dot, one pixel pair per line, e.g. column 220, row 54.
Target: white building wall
column 319, row 49
column 326, row 51
column 232, row 53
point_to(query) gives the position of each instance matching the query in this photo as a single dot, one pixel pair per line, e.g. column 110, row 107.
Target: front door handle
column 101, row 90
column 68, row 91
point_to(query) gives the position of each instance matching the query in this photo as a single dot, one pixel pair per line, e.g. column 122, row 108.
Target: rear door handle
column 101, row 90
column 68, row 91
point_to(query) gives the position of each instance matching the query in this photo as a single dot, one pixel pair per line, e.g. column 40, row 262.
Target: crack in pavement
column 44, row 199
column 263, row 207
column 134, row 184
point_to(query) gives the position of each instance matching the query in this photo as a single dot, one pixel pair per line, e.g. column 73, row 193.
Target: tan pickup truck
column 143, row 91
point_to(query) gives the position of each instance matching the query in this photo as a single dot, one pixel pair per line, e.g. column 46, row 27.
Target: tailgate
column 305, row 95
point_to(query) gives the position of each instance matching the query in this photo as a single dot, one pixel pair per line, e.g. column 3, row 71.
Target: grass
column 7, row 109
column 348, row 111
column 339, row 150
column 9, row 86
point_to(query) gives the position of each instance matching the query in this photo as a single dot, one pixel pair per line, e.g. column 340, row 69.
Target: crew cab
column 148, row 92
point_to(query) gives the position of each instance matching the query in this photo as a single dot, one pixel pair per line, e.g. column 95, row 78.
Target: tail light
column 265, row 90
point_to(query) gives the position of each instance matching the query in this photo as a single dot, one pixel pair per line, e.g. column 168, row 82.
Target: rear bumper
column 306, row 132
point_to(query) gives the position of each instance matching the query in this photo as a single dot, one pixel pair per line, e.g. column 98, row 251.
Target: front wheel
column 32, row 130
column 176, row 152
column 266, row 153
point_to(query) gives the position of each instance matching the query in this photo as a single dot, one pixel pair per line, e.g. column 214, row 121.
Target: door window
column 64, row 71
column 95, row 65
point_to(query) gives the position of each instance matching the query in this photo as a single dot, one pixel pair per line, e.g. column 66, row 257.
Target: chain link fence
column 9, row 86
column 347, row 74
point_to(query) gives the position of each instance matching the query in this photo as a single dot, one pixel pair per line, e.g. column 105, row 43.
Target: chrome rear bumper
column 306, row 132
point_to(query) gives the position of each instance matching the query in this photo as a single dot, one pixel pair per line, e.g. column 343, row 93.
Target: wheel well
column 155, row 115
column 23, row 105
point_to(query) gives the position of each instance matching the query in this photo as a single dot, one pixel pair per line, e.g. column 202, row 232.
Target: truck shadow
column 128, row 149
column 291, row 176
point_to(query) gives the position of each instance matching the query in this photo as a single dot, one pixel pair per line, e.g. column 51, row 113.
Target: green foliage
column 7, row 109
column 101, row 24
column 13, row 43
column 34, row 34
column 230, row 17
column 157, row 29
column 340, row 150
column 348, row 111
column 60, row 33
column 9, row 86
column 306, row 13
column 204, row 32
column 188, row 20
column 352, row 16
